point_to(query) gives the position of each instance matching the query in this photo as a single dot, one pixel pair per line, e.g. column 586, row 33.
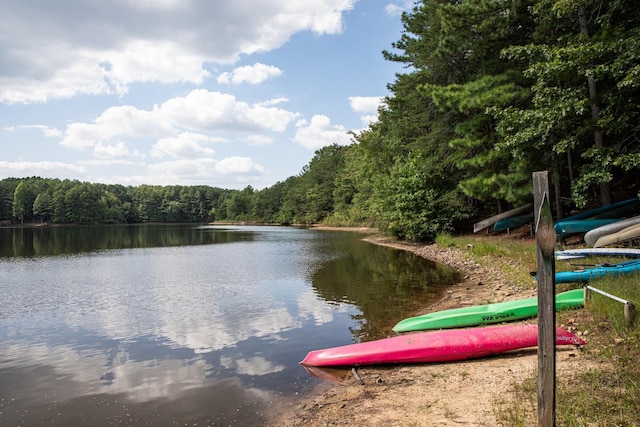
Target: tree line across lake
column 493, row 91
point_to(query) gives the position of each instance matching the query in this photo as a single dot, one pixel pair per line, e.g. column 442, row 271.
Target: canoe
column 597, row 252
column 448, row 345
column 614, row 210
column 626, row 234
column 596, row 272
column 566, row 228
column 479, row 226
column 513, row 222
column 487, row 314
column 592, row 236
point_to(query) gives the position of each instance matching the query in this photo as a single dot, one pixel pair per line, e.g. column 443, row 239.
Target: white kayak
column 592, row 236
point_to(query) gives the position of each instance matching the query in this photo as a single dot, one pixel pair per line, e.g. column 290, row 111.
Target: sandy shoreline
column 455, row 394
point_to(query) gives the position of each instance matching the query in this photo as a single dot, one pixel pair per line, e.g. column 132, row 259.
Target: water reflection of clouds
column 61, row 386
column 208, row 333
column 321, row 312
column 165, row 323
column 93, row 372
column 251, row 366
column 206, row 318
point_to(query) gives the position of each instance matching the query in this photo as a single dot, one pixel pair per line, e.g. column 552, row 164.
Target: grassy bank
column 607, row 395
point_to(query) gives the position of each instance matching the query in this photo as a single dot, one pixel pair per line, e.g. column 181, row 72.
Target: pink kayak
column 440, row 346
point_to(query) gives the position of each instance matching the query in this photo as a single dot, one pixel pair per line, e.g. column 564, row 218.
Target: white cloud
column 201, row 170
column 252, row 74
column 204, row 110
column 365, row 104
column 274, row 101
column 47, row 131
column 114, row 122
column 257, row 140
column 117, row 151
column 44, row 169
column 368, row 105
column 104, row 47
column 396, row 9
column 153, row 61
column 238, row 165
column 200, row 111
column 79, row 76
column 155, row 4
column 184, row 145
column 320, row 133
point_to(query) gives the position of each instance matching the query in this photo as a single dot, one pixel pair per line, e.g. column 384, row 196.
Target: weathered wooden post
column 545, row 258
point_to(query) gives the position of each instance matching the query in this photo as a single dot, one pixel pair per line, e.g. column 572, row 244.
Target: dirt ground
column 451, row 394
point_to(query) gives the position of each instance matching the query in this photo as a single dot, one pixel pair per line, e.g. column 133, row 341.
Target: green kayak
column 486, row 314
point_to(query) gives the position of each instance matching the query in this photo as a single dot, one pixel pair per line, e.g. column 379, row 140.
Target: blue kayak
column 588, row 220
column 614, row 210
column 599, row 271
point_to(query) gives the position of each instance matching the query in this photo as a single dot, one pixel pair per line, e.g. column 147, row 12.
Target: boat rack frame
column 629, row 307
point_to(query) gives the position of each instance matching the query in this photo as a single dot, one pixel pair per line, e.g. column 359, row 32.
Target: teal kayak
column 566, row 228
column 599, row 271
column 513, row 222
column 487, row 314
column 478, row 226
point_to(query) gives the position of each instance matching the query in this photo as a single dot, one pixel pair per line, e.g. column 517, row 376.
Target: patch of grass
column 481, row 248
column 516, row 257
column 520, row 410
column 606, row 394
column 446, row 240
column 625, row 287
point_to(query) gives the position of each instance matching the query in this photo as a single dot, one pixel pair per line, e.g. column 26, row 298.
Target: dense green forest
column 493, row 91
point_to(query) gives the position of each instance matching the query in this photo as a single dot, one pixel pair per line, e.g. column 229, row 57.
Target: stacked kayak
column 621, row 209
column 478, row 226
column 599, row 271
column 513, row 222
column 625, row 234
column 594, row 235
column 567, row 228
column 595, row 218
column 487, row 314
column 598, row 252
column 436, row 346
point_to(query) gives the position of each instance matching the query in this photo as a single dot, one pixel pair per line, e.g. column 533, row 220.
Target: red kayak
column 440, row 346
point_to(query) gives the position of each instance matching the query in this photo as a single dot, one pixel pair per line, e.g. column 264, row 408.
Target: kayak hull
column 513, row 222
column 614, row 210
column 598, row 252
column 487, row 314
column 436, row 347
column 568, row 227
column 623, row 235
column 592, row 236
column 588, row 274
column 478, row 226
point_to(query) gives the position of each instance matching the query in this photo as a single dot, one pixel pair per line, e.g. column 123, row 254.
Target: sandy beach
column 450, row 394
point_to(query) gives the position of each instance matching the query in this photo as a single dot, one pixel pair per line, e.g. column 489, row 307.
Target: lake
column 187, row 324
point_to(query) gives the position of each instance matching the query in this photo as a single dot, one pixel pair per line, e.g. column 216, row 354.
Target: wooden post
column 545, row 244
column 587, row 296
column 630, row 312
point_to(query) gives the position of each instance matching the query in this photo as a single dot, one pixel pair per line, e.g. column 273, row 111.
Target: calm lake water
column 185, row 324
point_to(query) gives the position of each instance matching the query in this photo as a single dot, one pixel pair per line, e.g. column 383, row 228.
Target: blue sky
column 226, row 93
